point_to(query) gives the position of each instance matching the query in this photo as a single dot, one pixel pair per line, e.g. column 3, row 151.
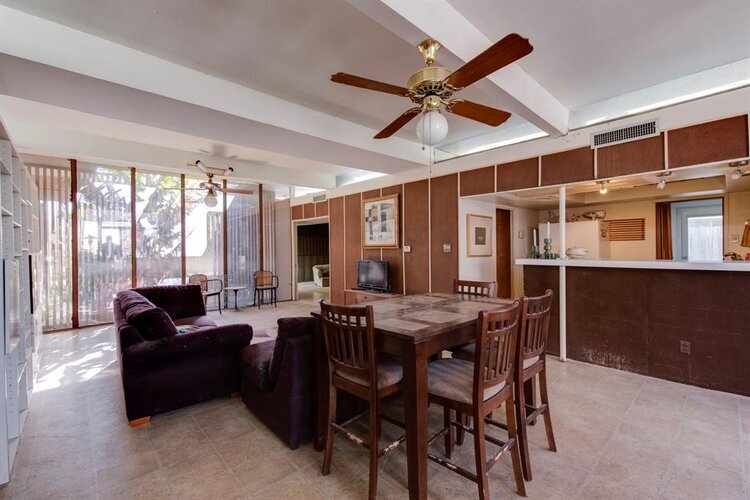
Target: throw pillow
column 152, row 322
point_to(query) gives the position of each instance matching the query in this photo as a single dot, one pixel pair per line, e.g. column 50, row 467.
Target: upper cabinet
column 574, row 165
column 627, row 158
column 708, row 142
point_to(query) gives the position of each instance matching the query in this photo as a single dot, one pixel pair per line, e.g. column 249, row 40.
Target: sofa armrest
column 224, row 339
column 255, row 361
column 295, row 376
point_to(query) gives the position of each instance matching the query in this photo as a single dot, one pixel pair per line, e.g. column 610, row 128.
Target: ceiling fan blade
column 510, row 49
column 366, row 83
column 477, row 112
column 237, row 191
column 399, row 122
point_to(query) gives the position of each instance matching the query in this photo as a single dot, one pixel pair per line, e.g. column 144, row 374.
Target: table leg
column 415, row 396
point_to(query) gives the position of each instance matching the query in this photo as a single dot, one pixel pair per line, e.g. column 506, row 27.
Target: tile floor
column 619, row 435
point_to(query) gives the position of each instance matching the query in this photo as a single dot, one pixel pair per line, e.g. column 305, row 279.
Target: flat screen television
column 373, row 275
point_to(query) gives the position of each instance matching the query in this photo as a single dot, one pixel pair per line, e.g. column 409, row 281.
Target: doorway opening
column 313, row 271
column 503, row 252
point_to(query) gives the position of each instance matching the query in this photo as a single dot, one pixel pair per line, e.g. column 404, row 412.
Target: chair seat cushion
column 265, row 287
column 390, row 372
column 467, row 354
column 454, row 379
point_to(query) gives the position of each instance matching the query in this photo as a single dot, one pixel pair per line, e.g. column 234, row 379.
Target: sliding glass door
column 203, row 234
column 158, row 228
column 104, row 240
column 243, row 238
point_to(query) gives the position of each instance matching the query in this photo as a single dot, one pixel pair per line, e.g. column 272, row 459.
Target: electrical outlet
column 447, row 248
column 407, row 248
column 684, row 347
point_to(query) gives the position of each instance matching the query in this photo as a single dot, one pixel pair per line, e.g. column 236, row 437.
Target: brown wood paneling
column 298, row 212
column 536, row 281
column 708, row 142
column 374, row 193
column 371, row 254
column 353, row 222
column 416, row 234
column 336, row 249
column 478, row 181
column 395, row 256
column 444, row 215
column 503, row 252
column 309, row 210
column 645, row 155
column 321, row 209
column 633, row 320
column 518, row 174
column 568, row 166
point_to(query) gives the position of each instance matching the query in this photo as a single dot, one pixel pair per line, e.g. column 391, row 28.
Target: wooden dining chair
column 477, row 288
column 206, row 291
column 354, row 367
column 477, row 389
column 532, row 362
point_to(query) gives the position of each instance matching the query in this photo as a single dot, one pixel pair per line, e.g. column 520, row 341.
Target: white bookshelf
column 19, row 239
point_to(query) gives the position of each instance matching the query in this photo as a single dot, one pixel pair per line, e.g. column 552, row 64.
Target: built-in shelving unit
column 20, row 327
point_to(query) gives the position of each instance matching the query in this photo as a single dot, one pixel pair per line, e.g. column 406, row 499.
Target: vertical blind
column 105, row 246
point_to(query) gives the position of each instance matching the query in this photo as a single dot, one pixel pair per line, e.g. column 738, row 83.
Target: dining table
column 415, row 328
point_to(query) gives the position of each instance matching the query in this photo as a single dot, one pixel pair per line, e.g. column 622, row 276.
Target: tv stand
column 354, row 296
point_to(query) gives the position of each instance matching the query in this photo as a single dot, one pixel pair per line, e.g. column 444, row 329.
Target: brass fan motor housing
column 429, row 82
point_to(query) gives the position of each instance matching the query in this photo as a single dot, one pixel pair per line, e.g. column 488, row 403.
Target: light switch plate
column 407, row 248
column 446, row 248
column 520, row 235
column 734, row 238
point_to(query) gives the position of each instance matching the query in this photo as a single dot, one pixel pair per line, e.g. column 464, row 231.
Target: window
column 158, row 228
column 104, row 242
column 697, row 227
column 203, row 233
column 243, row 238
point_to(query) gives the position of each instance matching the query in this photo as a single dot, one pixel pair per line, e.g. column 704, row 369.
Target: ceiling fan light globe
column 432, row 127
column 210, row 200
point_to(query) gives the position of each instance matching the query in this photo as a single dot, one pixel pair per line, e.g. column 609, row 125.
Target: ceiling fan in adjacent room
column 209, row 186
column 433, row 87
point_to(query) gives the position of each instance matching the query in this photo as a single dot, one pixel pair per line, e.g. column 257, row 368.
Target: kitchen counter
column 641, row 264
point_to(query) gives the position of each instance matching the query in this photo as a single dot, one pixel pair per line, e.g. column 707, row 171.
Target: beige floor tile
column 263, row 470
column 118, row 468
column 224, row 423
column 222, row 485
column 678, row 487
column 153, row 486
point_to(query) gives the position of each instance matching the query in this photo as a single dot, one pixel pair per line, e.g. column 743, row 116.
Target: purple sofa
column 171, row 353
column 277, row 380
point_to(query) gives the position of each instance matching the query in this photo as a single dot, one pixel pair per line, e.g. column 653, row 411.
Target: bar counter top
column 640, row 264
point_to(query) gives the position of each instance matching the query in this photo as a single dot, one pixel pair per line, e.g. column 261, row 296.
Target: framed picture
column 478, row 235
column 380, row 222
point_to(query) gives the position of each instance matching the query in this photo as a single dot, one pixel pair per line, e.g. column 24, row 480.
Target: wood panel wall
column 336, row 249
column 444, row 214
column 352, row 236
column 708, row 142
column 394, row 256
column 478, row 181
column 629, row 158
column 417, row 235
column 518, row 174
column 568, row 166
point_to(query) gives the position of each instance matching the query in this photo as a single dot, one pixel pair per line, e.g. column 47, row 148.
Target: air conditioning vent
column 320, row 197
column 625, row 134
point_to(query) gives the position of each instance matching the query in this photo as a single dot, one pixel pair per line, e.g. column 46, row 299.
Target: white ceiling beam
column 29, row 37
column 50, row 141
column 514, row 89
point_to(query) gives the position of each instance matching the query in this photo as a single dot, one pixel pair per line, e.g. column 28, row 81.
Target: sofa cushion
column 131, row 298
column 179, row 301
column 152, row 322
column 199, row 321
column 289, row 328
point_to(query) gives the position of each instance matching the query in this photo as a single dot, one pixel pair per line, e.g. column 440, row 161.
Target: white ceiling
column 585, row 52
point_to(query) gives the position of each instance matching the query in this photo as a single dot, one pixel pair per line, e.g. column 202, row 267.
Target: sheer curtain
column 269, row 231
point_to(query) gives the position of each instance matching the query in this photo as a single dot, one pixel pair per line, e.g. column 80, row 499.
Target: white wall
column 283, row 235
column 485, row 268
column 475, row 268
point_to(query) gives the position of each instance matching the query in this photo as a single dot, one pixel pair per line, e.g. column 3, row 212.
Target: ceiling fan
column 433, row 87
column 210, row 186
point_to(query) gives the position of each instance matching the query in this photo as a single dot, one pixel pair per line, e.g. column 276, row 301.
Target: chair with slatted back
column 264, row 281
column 354, row 367
column 477, row 389
column 206, row 289
column 532, row 362
column 476, row 288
